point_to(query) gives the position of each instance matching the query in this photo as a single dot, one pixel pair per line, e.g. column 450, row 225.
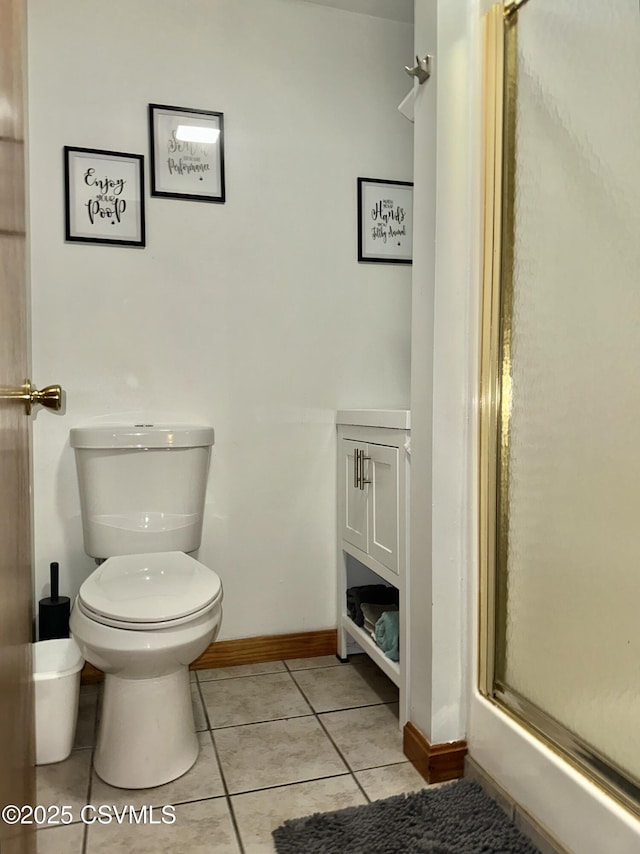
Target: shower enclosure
column 560, row 452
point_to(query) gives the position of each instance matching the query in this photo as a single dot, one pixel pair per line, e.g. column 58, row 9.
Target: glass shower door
column 567, row 423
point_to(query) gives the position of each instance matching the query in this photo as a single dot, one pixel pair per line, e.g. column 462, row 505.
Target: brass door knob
column 50, row 396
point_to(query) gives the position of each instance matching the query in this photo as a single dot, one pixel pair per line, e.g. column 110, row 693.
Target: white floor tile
column 276, row 753
column 380, row 783
column 366, row 737
column 230, row 702
column 65, row 783
column 199, row 828
column 67, row 839
column 240, row 670
column 258, row 813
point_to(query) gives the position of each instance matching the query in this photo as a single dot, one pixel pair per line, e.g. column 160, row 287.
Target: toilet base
column 146, row 732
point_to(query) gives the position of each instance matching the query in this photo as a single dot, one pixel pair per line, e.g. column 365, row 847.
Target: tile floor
column 278, row 740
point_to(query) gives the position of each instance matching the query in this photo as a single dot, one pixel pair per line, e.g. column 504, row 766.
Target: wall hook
column 422, row 70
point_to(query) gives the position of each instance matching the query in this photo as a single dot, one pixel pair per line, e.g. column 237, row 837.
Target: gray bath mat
column 454, row 819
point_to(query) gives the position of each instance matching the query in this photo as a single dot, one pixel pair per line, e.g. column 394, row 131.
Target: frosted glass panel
column 572, row 633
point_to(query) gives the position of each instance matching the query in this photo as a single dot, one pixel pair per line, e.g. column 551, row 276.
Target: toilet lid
column 150, row 588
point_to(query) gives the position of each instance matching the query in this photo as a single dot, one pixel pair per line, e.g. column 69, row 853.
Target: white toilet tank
column 142, row 487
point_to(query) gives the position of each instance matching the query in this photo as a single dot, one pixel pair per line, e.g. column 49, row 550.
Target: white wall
column 253, row 316
column 441, row 385
column 419, row 594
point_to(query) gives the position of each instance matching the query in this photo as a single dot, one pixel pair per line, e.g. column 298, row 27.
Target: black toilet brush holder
column 54, row 610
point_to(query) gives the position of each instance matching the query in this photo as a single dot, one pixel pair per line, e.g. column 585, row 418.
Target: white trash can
column 56, row 673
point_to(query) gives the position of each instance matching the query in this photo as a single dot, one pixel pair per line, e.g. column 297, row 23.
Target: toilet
column 150, row 608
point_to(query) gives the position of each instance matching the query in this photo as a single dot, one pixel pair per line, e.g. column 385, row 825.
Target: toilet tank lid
column 141, row 436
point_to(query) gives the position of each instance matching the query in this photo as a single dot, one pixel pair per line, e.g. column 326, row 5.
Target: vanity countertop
column 398, row 419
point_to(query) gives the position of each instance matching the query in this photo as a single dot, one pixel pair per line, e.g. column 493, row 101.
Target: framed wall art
column 187, row 153
column 385, row 221
column 104, row 196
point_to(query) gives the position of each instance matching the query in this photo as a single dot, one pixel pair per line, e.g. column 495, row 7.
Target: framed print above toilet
column 104, row 196
column 187, row 153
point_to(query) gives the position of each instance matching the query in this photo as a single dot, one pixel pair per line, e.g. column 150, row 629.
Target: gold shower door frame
column 500, row 94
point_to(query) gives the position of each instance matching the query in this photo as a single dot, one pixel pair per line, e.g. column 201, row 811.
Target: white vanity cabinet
column 373, row 494
column 371, row 504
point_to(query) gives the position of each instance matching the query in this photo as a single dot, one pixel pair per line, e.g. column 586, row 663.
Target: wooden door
column 353, row 500
column 384, row 505
column 16, row 704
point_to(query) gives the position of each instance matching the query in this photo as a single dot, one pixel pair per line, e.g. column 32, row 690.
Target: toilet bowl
column 149, row 609
column 142, row 619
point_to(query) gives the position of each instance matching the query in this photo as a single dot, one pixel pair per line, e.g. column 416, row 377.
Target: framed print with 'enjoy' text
column 104, row 196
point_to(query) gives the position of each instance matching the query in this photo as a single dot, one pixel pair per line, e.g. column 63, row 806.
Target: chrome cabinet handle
column 359, row 480
column 363, row 480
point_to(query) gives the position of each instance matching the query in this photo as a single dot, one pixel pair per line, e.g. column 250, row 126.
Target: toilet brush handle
column 55, row 577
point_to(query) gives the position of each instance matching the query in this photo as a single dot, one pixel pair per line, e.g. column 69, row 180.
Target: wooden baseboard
column 436, row 762
column 268, row 648
column 90, row 675
column 252, row 651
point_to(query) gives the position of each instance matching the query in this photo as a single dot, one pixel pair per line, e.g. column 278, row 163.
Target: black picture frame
column 385, row 221
column 187, row 169
column 104, row 197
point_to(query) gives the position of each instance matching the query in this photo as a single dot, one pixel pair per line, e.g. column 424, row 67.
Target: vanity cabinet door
column 354, row 522
column 384, row 505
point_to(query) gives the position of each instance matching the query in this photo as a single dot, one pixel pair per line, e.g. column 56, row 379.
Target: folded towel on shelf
column 372, row 614
column 387, row 634
column 376, row 594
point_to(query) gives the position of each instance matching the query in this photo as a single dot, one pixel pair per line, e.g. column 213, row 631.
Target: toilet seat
column 149, row 591
column 139, row 626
